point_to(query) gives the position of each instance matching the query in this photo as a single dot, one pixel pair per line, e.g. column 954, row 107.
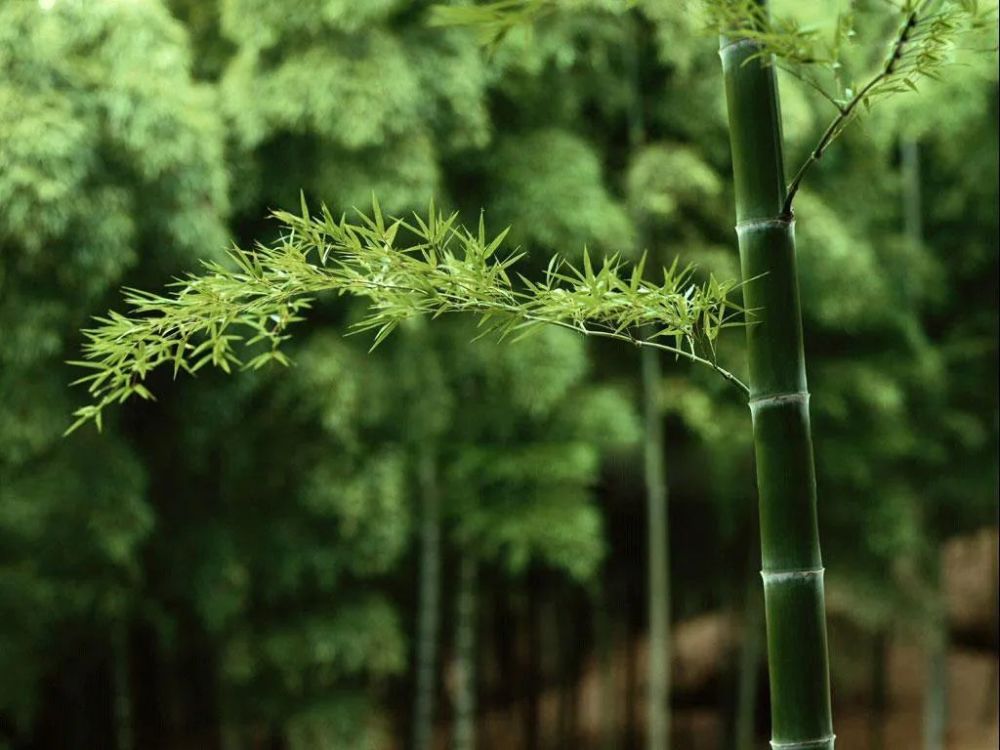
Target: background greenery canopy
column 236, row 562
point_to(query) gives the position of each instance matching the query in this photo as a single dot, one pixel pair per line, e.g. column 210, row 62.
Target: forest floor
column 604, row 707
column 973, row 715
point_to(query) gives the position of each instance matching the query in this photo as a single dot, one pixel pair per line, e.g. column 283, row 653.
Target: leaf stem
column 472, row 306
column 726, row 374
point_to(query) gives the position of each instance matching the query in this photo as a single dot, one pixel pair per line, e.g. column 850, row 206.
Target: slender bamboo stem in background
column 992, row 693
column 877, row 711
column 604, row 637
column 124, row 730
column 533, row 676
column 779, row 405
column 230, row 736
column 658, row 699
column 634, row 700
column 913, row 224
column 427, row 607
column 936, row 683
column 567, row 620
column 657, row 523
column 746, row 690
column 465, row 653
column 936, row 631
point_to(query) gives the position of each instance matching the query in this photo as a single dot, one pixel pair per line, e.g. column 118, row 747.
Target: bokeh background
column 237, row 565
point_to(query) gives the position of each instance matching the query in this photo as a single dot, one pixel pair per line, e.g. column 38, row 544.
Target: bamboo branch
column 838, row 123
column 447, row 269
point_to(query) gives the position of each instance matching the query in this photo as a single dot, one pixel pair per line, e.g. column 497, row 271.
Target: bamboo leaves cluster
column 237, row 316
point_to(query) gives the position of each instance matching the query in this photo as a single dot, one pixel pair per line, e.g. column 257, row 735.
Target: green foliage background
column 255, row 534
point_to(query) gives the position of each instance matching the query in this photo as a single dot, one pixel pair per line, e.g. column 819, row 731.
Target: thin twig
column 476, row 307
column 835, row 127
column 667, row 348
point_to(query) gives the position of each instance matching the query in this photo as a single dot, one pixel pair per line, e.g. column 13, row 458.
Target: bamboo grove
column 239, row 313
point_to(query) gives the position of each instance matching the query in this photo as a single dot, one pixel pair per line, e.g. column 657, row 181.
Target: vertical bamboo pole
column 657, row 528
column 230, row 732
column 427, row 607
column 877, row 711
column 936, row 682
column 913, row 224
column 936, row 692
column 749, row 669
column 658, row 698
column 533, row 670
column 779, row 406
column 610, row 694
column 465, row 651
column 122, row 688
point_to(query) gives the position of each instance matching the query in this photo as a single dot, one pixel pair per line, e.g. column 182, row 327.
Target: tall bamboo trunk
column 936, row 693
column 122, row 689
column 532, row 678
column 633, row 697
column 465, row 656
column 779, row 406
column 610, row 694
column 230, row 732
column 991, row 696
column 658, row 698
column 879, row 686
column 744, row 735
column 568, row 640
column 936, row 683
column 427, row 606
column 658, row 540
column 913, row 224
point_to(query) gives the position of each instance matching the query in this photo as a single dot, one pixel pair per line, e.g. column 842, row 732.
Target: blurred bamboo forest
column 314, row 558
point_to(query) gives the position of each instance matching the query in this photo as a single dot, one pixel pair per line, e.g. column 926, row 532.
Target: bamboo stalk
column 610, row 693
column 122, row 689
column 879, row 685
column 465, row 652
column 936, row 694
column 427, row 615
column 658, row 698
column 230, row 733
column 749, row 669
column 657, row 522
column 935, row 707
column 779, row 406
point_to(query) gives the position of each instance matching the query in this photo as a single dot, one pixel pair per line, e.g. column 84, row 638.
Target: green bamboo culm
column 658, row 535
column 655, row 474
column 779, row 405
column 464, row 737
column 427, row 607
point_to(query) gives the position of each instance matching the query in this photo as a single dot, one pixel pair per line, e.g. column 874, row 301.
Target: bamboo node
column 784, row 221
column 778, row 399
column 736, row 44
column 786, row 576
column 823, row 743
